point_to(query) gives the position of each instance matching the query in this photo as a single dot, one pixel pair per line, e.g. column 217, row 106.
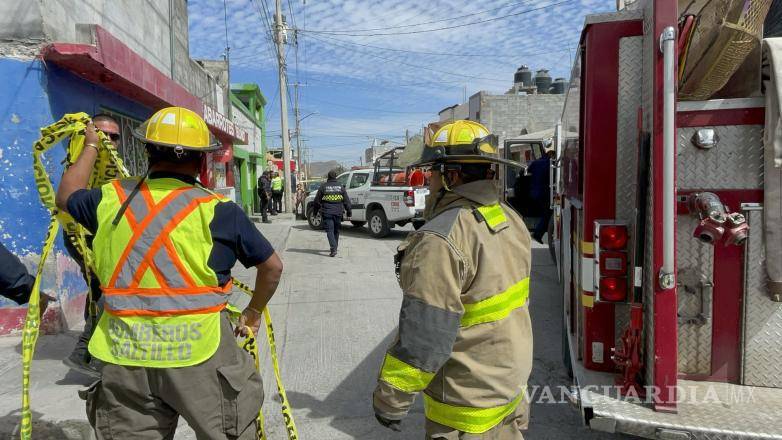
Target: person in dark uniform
column 332, row 202
column 540, row 192
column 16, row 283
column 265, row 194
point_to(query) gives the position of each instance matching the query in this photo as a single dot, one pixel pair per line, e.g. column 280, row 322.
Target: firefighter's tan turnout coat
column 465, row 337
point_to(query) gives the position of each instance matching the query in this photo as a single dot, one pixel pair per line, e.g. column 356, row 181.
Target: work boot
column 82, row 362
column 333, row 254
column 80, row 359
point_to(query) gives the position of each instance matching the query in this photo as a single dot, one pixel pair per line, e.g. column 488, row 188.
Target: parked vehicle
column 381, row 196
column 671, row 327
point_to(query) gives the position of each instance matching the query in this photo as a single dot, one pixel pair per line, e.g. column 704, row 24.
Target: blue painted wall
column 33, row 95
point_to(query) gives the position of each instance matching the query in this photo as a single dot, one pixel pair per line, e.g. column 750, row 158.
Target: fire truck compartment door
column 772, row 50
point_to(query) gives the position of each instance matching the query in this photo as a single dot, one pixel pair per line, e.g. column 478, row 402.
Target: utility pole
column 286, row 141
column 298, row 128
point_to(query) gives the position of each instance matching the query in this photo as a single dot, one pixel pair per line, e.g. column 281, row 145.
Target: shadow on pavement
column 64, row 430
column 349, row 405
column 309, row 251
column 360, row 232
column 75, row 378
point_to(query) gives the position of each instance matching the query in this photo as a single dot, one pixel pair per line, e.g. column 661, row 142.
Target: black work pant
column 545, row 217
column 276, row 201
column 332, row 224
column 264, row 206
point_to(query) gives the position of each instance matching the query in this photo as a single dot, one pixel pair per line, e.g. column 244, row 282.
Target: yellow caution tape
column 71, row 125
column 108, row 166
column 287, row 415
column 30, row 333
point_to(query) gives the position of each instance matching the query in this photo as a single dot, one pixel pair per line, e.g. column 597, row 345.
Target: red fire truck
column 671, row 329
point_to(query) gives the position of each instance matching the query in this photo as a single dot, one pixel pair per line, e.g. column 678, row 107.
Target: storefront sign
column 220, row 122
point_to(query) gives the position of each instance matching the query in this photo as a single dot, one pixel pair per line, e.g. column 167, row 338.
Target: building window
column 131, row 150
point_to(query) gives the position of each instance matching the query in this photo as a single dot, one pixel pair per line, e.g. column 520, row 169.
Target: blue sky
column 373, row 68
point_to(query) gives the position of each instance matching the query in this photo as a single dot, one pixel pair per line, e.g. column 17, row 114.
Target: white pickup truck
column 381, row 197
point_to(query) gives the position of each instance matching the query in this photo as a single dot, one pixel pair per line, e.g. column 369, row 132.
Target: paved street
column 333, row 320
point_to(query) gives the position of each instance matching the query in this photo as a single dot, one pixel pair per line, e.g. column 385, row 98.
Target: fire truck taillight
column 613, row 289
column 611, row 261
column 613, row 237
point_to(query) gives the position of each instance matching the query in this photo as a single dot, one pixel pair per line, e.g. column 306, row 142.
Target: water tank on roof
column 559, row 86
column 543, row 81
column 523, row 76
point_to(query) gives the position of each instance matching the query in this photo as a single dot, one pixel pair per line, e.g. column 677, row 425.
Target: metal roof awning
column 110, row 63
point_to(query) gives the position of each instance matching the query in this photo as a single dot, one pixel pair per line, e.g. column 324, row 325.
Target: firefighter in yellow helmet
column 464, row 337
column 164, row 248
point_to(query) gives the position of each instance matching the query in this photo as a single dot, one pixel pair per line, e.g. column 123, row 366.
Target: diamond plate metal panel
column 609, row 17
column 730, row 412
column 740, row 146
column 762, row 316
column 697, row 258
column 649, row 44
column 630, row 72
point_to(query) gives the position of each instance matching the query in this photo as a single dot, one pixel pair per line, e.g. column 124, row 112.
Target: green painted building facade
column 248, row 110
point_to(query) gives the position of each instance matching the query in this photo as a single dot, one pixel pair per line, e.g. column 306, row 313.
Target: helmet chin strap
column 446, row 185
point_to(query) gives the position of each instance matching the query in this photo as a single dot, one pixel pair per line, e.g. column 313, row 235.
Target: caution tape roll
column 108, row 166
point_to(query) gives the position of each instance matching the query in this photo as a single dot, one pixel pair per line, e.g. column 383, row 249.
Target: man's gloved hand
column 393, row 425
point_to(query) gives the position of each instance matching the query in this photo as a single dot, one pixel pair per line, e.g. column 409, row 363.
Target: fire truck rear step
column 706, row 410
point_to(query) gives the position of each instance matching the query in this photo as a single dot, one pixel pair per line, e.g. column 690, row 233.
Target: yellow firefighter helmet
column 176, row 127
column 461, row 141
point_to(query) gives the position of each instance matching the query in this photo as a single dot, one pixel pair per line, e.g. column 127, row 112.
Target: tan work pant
column 219, row 398
column 510, row 428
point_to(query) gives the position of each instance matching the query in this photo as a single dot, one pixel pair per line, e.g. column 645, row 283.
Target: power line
column 266, row 23
column 335, row 31
column 370, row 109
column 387, row 85
column 451, row 54
column 414, row 65
column 488, row 20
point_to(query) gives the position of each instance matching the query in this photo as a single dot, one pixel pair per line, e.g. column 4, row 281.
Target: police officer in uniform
column 332, row 202
column 465, row 336
column 164, row 248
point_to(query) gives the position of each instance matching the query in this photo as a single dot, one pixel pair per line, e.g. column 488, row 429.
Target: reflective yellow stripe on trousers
column 497, row 307
column 468, row 419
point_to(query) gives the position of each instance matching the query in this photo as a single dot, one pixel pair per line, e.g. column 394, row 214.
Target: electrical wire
column 488, row 20
column 376, row 85
column 445, row 72
column 370, row 109
column 450, row 54
column 335, row 31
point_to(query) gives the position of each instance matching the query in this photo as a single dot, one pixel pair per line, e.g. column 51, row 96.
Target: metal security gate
column 130, row 149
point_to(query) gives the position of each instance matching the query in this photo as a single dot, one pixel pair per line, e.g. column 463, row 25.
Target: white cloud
column 388, row 79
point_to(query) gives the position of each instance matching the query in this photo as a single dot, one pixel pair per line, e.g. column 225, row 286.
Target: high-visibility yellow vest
column 162, row 301
column 277, row 184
